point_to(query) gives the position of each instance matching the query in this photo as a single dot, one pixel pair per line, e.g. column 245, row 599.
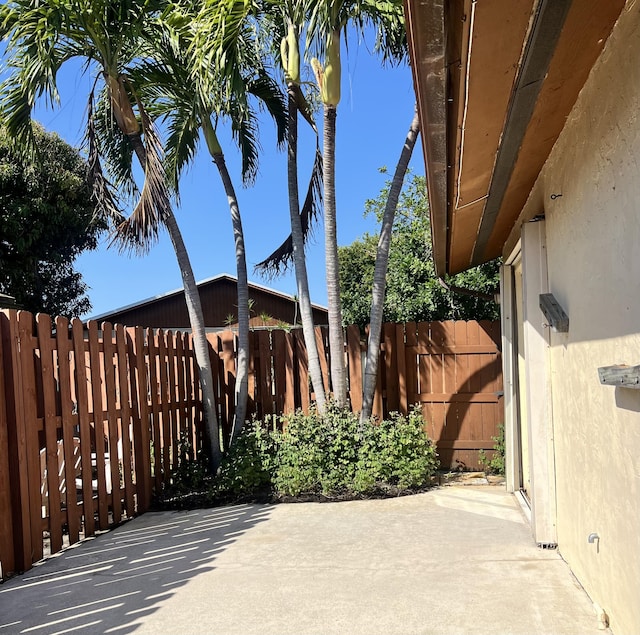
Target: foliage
column 192, row 471
column 247, row 467
column 46, row 221
column 495, row 465
column 330, row 456
column 413, row 291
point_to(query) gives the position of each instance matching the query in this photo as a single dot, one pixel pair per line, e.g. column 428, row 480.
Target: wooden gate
column 458, row 381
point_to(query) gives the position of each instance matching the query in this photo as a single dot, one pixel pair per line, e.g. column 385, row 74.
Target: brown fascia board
column 541, row 44
column 425, row 20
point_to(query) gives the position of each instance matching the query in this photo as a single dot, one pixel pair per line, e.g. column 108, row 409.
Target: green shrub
column 191, row 472
column 330, row 456
column 397, row 453
column 495, row 465
column 247, row 467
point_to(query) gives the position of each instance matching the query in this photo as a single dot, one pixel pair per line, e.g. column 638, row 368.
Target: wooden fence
column 90, row 423
column 91, row 418
column 452, row 369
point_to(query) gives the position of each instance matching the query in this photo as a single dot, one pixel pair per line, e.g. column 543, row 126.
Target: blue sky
column 373, row 118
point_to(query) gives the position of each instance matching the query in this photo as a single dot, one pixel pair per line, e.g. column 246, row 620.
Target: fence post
column 7, row 555
column 16, row 448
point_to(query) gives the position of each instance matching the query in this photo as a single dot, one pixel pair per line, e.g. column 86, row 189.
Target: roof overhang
column 495, row 81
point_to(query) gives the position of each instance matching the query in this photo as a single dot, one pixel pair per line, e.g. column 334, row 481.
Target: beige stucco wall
column 593, row 252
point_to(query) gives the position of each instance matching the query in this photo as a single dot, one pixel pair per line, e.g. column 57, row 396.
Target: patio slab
column 453, row 560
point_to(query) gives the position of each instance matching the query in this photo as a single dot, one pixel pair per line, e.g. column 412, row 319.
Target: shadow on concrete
column 105, row 584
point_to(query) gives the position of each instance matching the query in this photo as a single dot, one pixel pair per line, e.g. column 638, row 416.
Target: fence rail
column 92, row 416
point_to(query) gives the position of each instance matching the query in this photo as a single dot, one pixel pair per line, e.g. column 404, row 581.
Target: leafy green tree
column 46, row 221
column 413, row 292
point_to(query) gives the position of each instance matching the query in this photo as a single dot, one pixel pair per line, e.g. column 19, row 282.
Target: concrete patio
column 452, row 560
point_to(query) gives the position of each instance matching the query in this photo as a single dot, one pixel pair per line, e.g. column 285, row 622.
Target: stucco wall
column 593, row 251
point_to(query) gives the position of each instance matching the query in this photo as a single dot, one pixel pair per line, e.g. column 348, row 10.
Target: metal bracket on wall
column 554, row 313
column 621, row 375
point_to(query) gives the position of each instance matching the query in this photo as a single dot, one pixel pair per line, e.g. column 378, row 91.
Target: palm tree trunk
column 380, row 271
column 242, row 371
column 196, row 319
column 302, row 281
column 336, row 334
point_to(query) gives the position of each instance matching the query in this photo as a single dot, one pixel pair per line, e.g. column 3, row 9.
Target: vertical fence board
column 280, row 370
column 180, row 382
column 30, row 413
column 142, row 419
column 165, row 434
column 80, row 357
column 71, row 450
column 10, row 542
column 173, row 411
column 228, row 341
column 391, row 368
column 112, row 420
column 355, row 367
column 303, row 369
column 98, row 423
column 289, row 387
column 51, row 501
column 152, row 344
column 321, row 335
column 17, row 437
column 125, row 370
column 266, row 383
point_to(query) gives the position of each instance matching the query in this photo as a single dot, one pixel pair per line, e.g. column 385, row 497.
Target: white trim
column 538, row 384
column 509, row 328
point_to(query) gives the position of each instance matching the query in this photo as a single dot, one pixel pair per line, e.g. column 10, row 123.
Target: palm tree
column 109, row 36
column 218, row 90
column 284, row 23
column 327, row 23
column 380, row 271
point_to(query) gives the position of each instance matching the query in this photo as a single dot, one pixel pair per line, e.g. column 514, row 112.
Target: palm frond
column 279, row 261
column 141, row 229
column 114, row 147
column 107, row 205
column 266, row 90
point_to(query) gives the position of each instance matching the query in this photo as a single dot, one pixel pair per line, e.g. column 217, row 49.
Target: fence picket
column 71, row 458
column 124, row 371
column 96, row 368
column 112, row 421
column 30, row 413
column 82, row 405
column 354, row 356
column 10, row 519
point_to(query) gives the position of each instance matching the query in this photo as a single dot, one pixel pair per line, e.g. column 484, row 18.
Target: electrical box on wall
column 621, row 375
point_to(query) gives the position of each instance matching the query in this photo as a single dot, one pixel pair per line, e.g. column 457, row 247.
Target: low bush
column 495, row 464
column 330, row 456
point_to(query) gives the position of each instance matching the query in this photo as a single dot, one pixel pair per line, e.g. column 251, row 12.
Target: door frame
column 531, row 249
